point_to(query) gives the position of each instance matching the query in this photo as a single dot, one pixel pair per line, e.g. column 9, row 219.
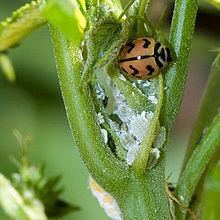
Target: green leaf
column 182, row 28
column 14, row 205
column 141, row 98
column 50, row 196
column 33, row 187
column 215, row 3
column 208, row 108
column 105, row 32
column 138, row 100
column 66, row 16
column 115, row 5
column 197, row 163
column 140, row 162
column 7, row 67
column 23, row 21
column 104, row 40
column 211, row 194
column 60, row 208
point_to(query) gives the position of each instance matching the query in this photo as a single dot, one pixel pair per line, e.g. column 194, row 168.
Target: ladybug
column 143, row 58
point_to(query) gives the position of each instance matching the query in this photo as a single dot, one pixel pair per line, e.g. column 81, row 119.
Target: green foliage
column 99, row 36
column 140, row 162
column 66, row 16
column 211, row 97
column 87, row 39
column 204, row 119
column 7, row 67
column 97, row 155
column 16, row 206
column 103, row 41
column 23, row 21
column 29, row 195
column 181, row 33
column 210, row 195
column 215, row 3
column 197, row 163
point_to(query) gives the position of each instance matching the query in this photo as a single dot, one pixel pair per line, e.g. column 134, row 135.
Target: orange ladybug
column 143, row 58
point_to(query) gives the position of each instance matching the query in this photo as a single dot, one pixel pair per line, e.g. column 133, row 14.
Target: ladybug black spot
column 169, row 58
column 159, row 64
column 162, row 54
column 157, row 46
column 124, row 69
column 157, row 55
column 135, row 70
column 146, row 43
column 131, row 45
column 150, row 69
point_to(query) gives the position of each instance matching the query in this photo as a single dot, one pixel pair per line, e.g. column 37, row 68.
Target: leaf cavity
column 125, row 126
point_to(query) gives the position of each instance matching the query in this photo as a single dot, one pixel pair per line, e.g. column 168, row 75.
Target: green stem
column 141, row 12
column 125, row 10
column 196, row 165
column 101, row 163
column 142, row 7
column 145, row 197
column 23, row 21
column 182, row 29
column 81, row 7
column 206, row 114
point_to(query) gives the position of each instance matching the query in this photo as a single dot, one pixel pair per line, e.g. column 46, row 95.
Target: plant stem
column 145, row 197
column 103, row 166
column 206, row 114
column 182, row 29
column 141, row 12
column 197, row 164
column 138, row 196
column 125, row 10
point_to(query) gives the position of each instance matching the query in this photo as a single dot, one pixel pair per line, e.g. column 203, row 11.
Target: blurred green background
column 33, row 105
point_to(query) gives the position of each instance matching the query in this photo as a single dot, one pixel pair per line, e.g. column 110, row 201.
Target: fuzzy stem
column 125, row 10
column 103, row 166
column 145, row 197
column 182, row 29
column 211, row 97
column 141, row 12
column 197, row 164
